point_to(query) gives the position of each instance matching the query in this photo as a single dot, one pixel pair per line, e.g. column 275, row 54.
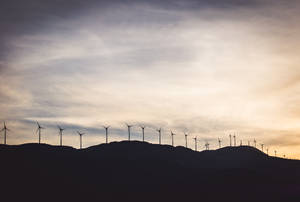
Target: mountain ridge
column 140, row 171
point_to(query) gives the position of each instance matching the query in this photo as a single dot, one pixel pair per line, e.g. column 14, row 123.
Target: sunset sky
column 207, row 67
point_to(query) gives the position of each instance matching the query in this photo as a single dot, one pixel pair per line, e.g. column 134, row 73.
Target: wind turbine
column 234, row 140
column 185, row 136
column 275, row 152
column 39, row 129
column 195, row 138
column 159, row 135
column 207, row 146
column 60, row 134
column 80, row 138
column 248, row 143
column 5, row 129
column 262, row 147
column 267, row 151
column 143, row 132
column 129, row 127
column 172, row 135
column 106, row 133
column 230, row 139
column 219, row 142
column 241, row 143
column 254, row 143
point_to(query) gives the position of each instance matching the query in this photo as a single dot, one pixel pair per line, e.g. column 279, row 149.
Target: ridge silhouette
column 140, row 171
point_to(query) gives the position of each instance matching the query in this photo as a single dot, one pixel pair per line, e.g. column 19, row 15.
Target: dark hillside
column 136, row 171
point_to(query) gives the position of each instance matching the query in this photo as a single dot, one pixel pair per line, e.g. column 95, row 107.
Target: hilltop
column 140, row 171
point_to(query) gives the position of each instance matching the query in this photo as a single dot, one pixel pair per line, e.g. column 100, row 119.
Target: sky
column 205, row 67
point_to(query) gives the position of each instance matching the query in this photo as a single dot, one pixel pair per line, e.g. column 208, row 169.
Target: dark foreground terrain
column 136, row 171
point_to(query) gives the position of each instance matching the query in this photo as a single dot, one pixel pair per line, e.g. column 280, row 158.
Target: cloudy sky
column 207, row 67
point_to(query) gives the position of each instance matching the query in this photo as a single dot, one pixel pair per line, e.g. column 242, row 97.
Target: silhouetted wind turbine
column 60, row 134
column 39, row 129
column 172, row 135
column 195, row 138
column 129, row 127
column 106, row 133
column 275, row 152
column 241, row 143
column 143, row 132
column 80, row 138
column 248, row 143
column 185, row 136
column 262, row 147
column 267, row 151
column 5, row 129
column 234, row 139
column 254, row 143
column 219, row 143
column 207, row 146
column 230, row 140
column 159, row 135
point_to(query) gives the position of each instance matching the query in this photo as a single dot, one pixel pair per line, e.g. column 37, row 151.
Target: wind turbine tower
column 143, row 132
column 219, row 143
column 230, row 140
column 254, row 143
column 129, row 127
column 106, row 133
column 172, row 136
column 241, row 144
column 159, row 135
column 267, row 151
column 275, row 153
column 185, row 136
column 262, row 147
column 5, row 129
column 39, row 129
column 195, row 138
column 60, row 134
column 207, row 146
column 248, row 143
column 234, row 139
column 80, row 138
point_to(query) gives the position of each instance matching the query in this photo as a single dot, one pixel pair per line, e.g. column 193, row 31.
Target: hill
column 138, row 171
